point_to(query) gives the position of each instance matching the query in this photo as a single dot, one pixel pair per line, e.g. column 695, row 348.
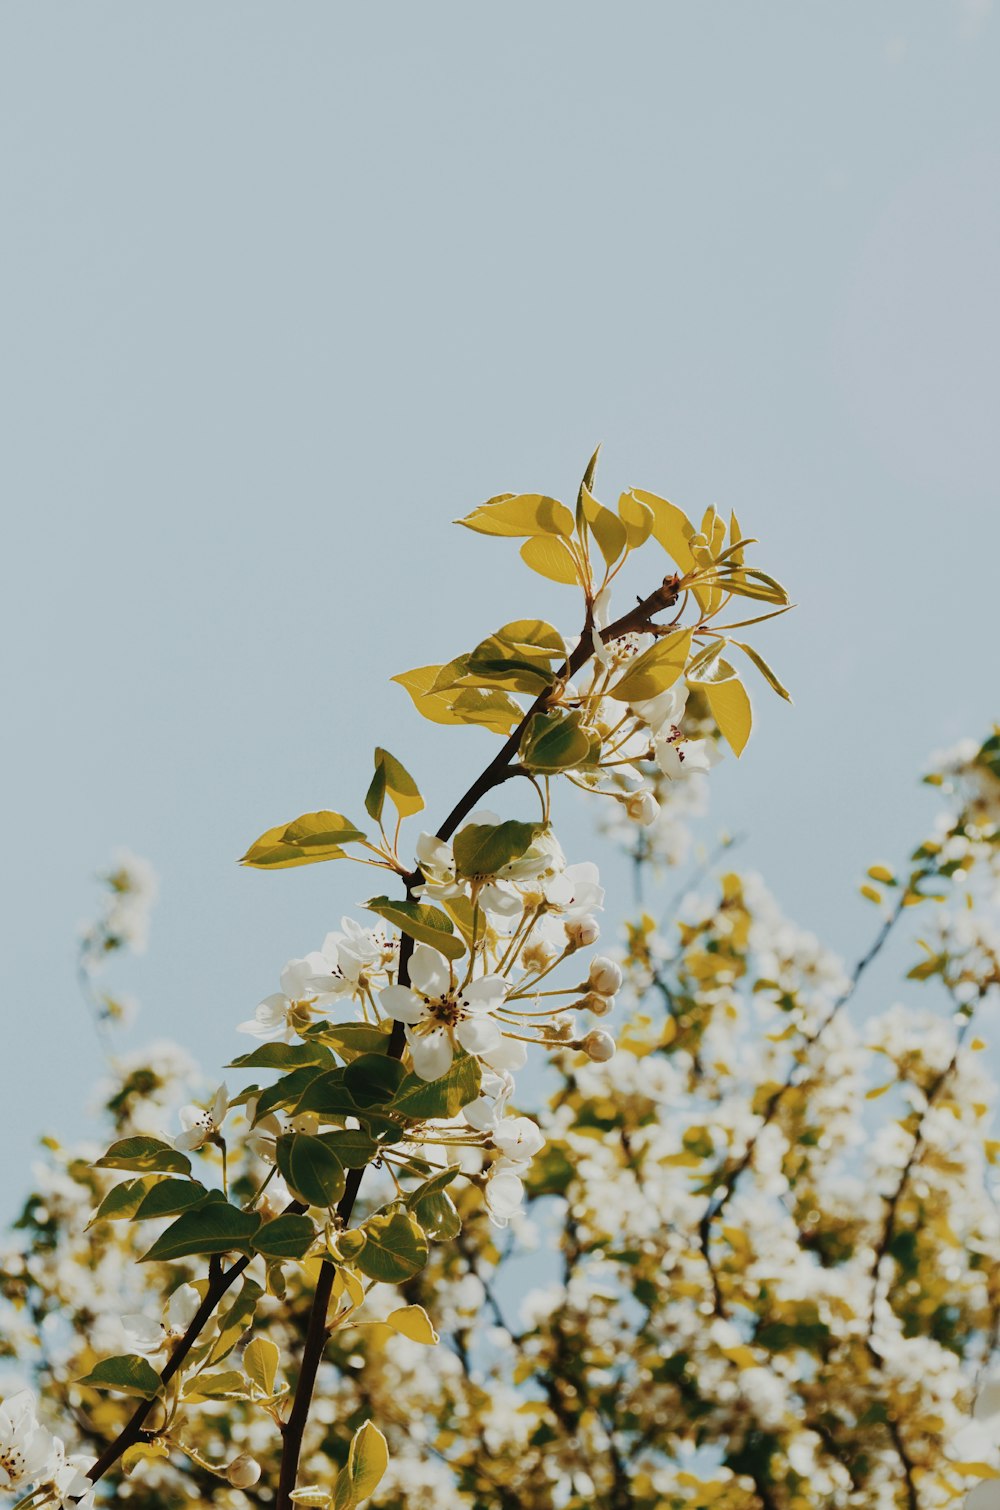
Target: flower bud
column 642, row 807
column 605, row 976
column 599, row 1046
column 243, row 1472
column 582, row 932
column 596, row 1003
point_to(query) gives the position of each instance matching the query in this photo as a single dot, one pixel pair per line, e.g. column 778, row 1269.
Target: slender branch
column 500, row 769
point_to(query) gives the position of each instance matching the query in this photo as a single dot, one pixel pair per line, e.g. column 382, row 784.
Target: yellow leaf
column 882, row 873
column 671, row 527
column 141, row 1452
column 514, row 515
column 413, row 1322
column 472, row 705
column 637, row 518
column 879, row 1090
column 731, row 710
column 977, row 1044
column 870, row 894
column 976, row 1470
column 550, row 558
column 608, row 530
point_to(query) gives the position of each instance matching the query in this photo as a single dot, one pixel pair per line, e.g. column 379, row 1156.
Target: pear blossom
column 678, row 758
column 27, row 1450
column 149, row 1337
column 504, row 1192
column 518, row 1139
column 441, row 1017
column 201, row 1126
column 574, row 892
column 495, row 1090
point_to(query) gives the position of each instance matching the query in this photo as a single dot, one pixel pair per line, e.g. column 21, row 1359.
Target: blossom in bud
column 596, row 1003
column 599, row 1046
column 243, row 1472
column 642, row 807
column 605, row 976
column 582, row 932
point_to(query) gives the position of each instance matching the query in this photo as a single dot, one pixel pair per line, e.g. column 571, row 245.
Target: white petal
column 509, row 1054
column 485, row 994
column 478, row 1035
column 403, row 1005
column 432, row 1053
column 429, row 971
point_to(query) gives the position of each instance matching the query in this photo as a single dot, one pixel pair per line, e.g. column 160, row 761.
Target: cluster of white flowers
column 31, row 1457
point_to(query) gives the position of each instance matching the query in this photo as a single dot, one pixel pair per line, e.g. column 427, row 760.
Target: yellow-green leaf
column 494, row 710
column 655, row 670
column 426, row 924
column 392, row 777
column 128, row 1375
column 260, row 1363
column 307, row 841
column 367, row 1460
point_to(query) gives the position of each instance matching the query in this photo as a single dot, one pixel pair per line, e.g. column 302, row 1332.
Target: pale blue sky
column 286, row 288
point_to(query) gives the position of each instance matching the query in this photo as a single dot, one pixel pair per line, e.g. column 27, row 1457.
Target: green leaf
column 444, row 1097
column 327, row 1095
column 353, row 1147
column 373, row 1079
column 128, row 1374
column 283, row 1056
column 145, row 1154
column 438, row 1215
column 311, row 1169
column 375, row 795
column 123, row 1200
column 235, row 1321
column 483, row 849
column 288, row 1090
column 306, row 841
column 260, row 1363
column 654, row 670
column 287, row 1236
column 514, row 515
column 170, row 1196
column 554, row 742
column 395, row 1247
column 428, row 925
column 353, row 1038
column 213, row 1227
